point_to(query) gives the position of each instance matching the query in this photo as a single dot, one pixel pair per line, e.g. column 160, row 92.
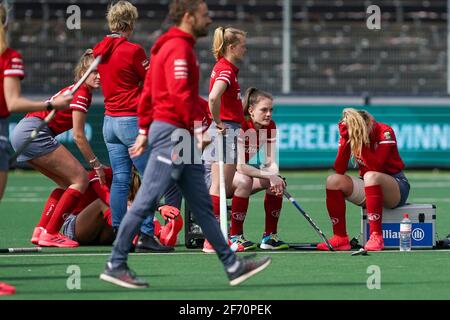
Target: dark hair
column 178, row 8
column 252, row 97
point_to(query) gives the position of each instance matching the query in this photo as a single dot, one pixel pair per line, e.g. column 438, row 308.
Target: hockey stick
column 308, row 218
column 20, row 250
column 50, row 116
column 222, row 192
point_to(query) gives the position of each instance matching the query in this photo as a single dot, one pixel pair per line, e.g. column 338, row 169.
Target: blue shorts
column 68, row 228
column 404, row 186
column 43, row 144
column 4, row 154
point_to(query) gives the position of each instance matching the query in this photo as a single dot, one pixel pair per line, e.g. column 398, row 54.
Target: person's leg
column 126, row 130
column 121, row 166
column 229, row 172
column 239, row 204
column 196, row 195
column 62, row 164
column 155, row 182
column 90, row 222
column 3, row 180
column 338, row 188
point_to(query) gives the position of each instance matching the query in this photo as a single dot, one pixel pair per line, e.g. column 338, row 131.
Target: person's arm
column 79, row 136
column 344, row 151
column 141, row 63
column 214, row 99
column 16, row 103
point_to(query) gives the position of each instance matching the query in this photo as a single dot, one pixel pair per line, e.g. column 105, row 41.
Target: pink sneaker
column 56, row 240
column 337, row 242
column 6, row 289
column 375, row 243
column 36, row 234
column 207, row 247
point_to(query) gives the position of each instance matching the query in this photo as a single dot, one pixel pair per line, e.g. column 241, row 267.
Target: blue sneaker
column 241, row 241
column 272, row 242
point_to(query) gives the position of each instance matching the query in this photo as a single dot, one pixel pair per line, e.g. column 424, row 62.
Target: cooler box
column 422, row 216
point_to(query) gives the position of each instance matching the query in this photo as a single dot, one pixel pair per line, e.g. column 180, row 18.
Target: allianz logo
column 417, row 234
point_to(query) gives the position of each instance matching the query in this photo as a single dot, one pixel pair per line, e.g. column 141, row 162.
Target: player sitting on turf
column 381, row 183
column 52, row 159
column 90, row 223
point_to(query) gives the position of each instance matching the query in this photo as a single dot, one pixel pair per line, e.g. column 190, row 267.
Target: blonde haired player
column 52, row 159
column 381, row 181
column 229, row 48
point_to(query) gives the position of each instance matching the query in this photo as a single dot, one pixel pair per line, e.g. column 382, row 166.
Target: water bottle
column 405, row 233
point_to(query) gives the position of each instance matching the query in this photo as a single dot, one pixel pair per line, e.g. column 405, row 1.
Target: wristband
column 49, row 106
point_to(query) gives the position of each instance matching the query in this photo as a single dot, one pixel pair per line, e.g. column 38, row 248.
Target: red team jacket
column 62, row 121
column 11, row 65
column 382, row 155
column 171, row 90
column 122, row 73
column 230, row 104
column 253, row 139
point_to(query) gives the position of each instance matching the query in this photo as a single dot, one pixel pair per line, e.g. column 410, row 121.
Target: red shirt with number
column 381, row 155
column 230, row 104
column 11, row 65
column 62, row 121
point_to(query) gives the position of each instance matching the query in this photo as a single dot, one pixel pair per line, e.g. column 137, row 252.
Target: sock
column 49, row 207
column 66, row 204
column 374, row 205
column 216, row 206
column 272, row 206
column 336, row 211
column 239, row 207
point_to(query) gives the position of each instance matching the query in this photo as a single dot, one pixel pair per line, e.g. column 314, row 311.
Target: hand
column 100, row 172
column 221, row 127
column 168, row 212
column 277, row 185
column 139, row 146
column 343, row 130
column 202, row 140
column 62, row 102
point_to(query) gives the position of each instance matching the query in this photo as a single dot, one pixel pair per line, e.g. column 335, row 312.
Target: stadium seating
column 333, row 51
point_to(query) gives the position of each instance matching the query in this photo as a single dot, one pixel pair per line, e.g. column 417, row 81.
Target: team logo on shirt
column 387, row 135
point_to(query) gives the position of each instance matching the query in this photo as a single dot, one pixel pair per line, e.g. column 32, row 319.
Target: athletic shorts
column 43, row 144
column 4, row 154
column 358, row 195
column 68, row 228
column 229, row 146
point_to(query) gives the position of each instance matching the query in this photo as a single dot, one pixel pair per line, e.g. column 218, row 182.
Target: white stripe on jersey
column 224, row 79
column 73, row 105
column 81, row 97
column 181, row 68
column 14, row 72
column 17, row 60
column 94, row 179
column 387, row 142
column 17, row 66
column 84, row 104
column 180, row 62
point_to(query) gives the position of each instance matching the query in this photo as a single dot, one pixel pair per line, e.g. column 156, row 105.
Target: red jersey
column 381, row 156
column 95, row 190
column 230, row 104
column 122, row 73
column 11, row 65
column 171, row 89
column 254, row 138
column 62, row 121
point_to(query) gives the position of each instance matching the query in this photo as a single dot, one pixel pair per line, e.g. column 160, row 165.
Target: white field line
column 203, row 254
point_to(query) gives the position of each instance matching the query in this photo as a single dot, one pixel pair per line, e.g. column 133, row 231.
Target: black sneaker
column 151, row 244
column 248, row 266
column 123, row 277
